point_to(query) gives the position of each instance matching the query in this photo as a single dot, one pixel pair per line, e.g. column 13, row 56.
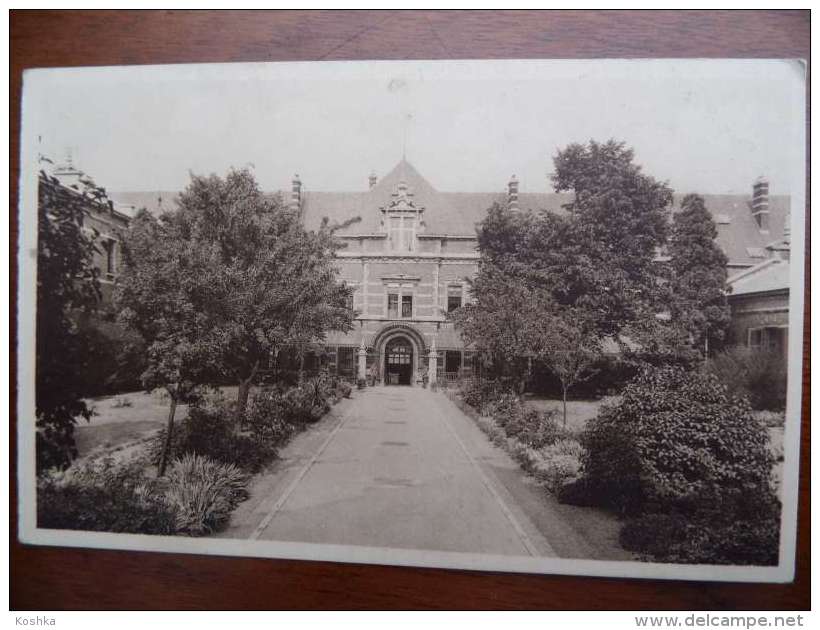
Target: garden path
column 403, row 467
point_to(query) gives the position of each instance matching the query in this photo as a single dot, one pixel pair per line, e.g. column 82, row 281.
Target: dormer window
column 402, row 233
column 402, row 220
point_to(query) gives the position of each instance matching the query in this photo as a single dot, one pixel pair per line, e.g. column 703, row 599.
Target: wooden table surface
column 52, row 578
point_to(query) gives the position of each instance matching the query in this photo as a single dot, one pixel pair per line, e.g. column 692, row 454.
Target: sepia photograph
column 538, row 316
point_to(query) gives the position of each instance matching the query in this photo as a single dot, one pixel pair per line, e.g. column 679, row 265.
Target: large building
column 759, row 296
column 102, row 219
column 410, row 250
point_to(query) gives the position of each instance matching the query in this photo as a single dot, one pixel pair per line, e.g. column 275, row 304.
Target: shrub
column 103, row 497
column 692, row 463
column 559, row 464
column 361, row 383
column 203, row 493
column 479, row 392
column 343, row 390
column 676, row 439
column 758, row 375
column 706, row 537
column 505, row 408
column 209, row 430
column 540, row 429
column 307, row 402
column 532, row 428
column 266, row 418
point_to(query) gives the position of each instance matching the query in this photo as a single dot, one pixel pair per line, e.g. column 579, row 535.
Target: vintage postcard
column 532, row 316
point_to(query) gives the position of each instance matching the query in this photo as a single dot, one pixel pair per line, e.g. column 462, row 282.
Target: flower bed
column 212, row 459
column 534, row 439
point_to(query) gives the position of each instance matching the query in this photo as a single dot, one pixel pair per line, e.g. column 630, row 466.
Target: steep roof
column 458, row 213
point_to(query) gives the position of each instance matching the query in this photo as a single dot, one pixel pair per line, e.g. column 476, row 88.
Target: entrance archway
column 398, row 361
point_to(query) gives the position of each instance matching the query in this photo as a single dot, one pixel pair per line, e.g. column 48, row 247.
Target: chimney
column 787, row 229
column 760, row 203
column 512, row 193
column 372, row 179
column 296, row 194
column 68, row 174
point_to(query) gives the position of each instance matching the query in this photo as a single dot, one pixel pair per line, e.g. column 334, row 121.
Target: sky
column 704, row 126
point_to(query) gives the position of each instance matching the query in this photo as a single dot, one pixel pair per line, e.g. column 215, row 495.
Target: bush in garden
column 676, row 440
column 203, row 493
column 691, row 463
column 479, row 392
column 758, row 375
column 534, row 429
column 103, row 497
column 209, row 430
column 343, row 389
column 505, row 409
column 540, row 429
column 307, row 402
column 708, row 537
column 266, row 418
column 559, row 463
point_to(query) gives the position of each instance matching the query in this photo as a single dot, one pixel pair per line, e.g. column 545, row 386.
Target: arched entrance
column 399, row 361
column 411, row 338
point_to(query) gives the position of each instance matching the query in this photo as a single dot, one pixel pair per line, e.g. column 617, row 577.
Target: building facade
column 410, row 250
column 103, row 219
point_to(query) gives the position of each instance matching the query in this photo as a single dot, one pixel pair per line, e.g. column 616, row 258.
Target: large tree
column 565, row 342
column 166, row 281
column 276, row 283
column 67, row 288
column 619, row 216
column 551, row 285
column 498, row 321
column 697, row 276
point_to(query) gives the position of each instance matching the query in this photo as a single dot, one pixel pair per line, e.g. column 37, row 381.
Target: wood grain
column 51, row 578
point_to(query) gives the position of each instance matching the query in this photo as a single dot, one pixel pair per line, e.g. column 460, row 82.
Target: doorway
column 398, row 362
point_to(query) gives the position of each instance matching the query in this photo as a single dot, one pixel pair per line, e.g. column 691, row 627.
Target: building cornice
column 421, row 257
column 448, row 237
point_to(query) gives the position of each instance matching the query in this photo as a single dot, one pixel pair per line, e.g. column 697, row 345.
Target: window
column 768, row 338
column 407, row 306
column 110, row 262
column 400, row 300
column 452, row 361
column 349, row 301
column 453, row 298
column 402, row 233
column 393, row 305
column 346, row 361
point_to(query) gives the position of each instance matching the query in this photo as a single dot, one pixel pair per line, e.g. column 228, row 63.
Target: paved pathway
column 402, row 467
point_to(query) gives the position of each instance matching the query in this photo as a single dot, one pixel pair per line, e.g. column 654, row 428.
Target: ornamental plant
column 677, row 440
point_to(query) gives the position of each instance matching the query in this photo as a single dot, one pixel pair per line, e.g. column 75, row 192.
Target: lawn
column 124, row 419
column 579, row 412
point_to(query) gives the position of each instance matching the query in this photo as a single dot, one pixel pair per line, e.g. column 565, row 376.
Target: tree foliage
column 620, row 216
column 166, row 281
column 275, row 283
column 67, row 286
column 218, row 286
column 697, row 275
column 553, row 285
column 565, row 344
column 498, row 321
